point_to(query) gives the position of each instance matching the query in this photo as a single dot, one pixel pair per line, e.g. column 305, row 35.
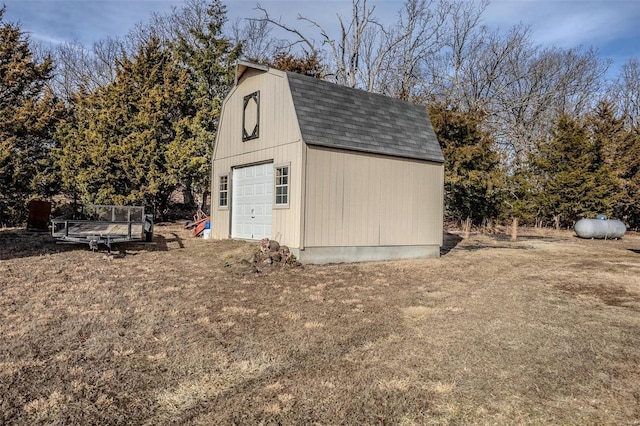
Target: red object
column 198, row 218
column 202, row 224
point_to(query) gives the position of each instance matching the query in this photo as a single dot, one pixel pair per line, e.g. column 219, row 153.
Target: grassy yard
column 545, row 330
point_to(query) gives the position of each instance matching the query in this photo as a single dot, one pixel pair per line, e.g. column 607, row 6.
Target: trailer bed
column 104, row 224
column 79, row 229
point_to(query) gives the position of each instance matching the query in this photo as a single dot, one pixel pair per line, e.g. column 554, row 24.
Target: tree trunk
column 466, row 228
column 205, row 205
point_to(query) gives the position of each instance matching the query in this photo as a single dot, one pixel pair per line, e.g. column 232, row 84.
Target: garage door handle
column 252, row 215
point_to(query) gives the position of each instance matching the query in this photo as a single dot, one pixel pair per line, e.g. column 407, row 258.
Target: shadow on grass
column 507, row 237
column 474, row 247
column 449, row 242
column 455, row 242
column 162, row 243
column 16, row 243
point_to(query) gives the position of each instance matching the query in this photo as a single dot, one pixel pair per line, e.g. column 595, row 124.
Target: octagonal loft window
column 251, row 116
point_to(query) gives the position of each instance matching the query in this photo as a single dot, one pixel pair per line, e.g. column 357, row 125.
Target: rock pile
column 272, row 255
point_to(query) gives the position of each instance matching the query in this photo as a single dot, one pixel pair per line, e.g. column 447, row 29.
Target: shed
column 336, row 174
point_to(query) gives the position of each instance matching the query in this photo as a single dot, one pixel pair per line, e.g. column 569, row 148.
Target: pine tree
column 627, row 166
column 520, row 196
column 575, row 180
column 621, row 148
column 308, row 64
column 28, row 113
column 473, row 178
column 118, row 145
column 210, row 58
column 152, row 130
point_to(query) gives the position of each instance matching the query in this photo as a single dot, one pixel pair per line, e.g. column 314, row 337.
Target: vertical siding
column 278, row 142
column 278, row 122
column 355, row 199
column 286, row 225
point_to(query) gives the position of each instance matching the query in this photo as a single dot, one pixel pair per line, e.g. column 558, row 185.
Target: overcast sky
column 612, row 26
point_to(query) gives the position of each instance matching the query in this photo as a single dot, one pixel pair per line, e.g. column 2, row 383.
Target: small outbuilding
column 336, row 174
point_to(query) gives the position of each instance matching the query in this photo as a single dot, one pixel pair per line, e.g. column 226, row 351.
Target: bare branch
column 301, row 38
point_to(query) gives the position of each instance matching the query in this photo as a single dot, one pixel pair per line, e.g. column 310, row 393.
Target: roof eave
column 439, row 160
column 243, row 66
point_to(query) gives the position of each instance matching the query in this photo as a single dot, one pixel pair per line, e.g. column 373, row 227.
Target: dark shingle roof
column 335, row 116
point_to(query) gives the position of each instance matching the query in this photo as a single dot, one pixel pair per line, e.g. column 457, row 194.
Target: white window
column 282, row 186
column 223, row 191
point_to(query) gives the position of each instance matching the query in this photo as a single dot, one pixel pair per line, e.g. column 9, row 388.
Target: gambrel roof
column 335, row 116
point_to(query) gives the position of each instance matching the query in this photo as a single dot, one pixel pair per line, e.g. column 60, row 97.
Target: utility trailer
column 104, row 224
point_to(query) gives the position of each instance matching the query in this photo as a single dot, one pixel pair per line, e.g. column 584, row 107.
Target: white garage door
column 251, row 200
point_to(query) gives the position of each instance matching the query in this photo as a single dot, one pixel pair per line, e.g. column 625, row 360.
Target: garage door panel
column 252, row 192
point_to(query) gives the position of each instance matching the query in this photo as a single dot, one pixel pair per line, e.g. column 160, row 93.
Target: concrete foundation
column 322, row 255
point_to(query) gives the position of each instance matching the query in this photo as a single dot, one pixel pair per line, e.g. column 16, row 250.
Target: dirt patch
column 610, row 294
column 544, row 330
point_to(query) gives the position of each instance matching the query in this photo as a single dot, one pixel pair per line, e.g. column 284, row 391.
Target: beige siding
column 278, row 123
column 355, row 199
column 336, row 198
column 279, row 143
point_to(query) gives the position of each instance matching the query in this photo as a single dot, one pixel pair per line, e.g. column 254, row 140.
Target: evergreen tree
column 575, row 180
column 520, row 196
column 308, row 64
column 123, row 140
column 621, row 148
column 627, row 166
column 473, row 178
column 210, row 58
column 152, row 130
column 28, row 113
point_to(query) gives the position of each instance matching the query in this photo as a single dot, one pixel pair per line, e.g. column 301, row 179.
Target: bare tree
column 364, row 53
column 105, row 53
column 625, row 93
column 413, row 44
column 79, row 69
column 299, row 38
column 581, row 74
column 554, row 82
column 464, row 39
column 492, row 68
column 257, row 43
column 440, row 51
column 345, row 50
column 354, row 37
column 519, row 88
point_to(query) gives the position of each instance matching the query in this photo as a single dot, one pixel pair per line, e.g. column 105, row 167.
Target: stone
column 274, row 245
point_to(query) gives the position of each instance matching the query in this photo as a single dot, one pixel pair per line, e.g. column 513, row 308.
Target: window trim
column 225, row 191
column 276, row 185
column 256, row 130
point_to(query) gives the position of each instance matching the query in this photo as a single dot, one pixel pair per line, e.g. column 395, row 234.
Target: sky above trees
column 608, row 25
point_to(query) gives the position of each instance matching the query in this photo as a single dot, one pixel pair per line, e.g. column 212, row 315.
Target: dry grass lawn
column 545, row 330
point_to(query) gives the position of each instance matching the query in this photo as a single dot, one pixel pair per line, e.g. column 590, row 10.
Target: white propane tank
column 600, row 228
